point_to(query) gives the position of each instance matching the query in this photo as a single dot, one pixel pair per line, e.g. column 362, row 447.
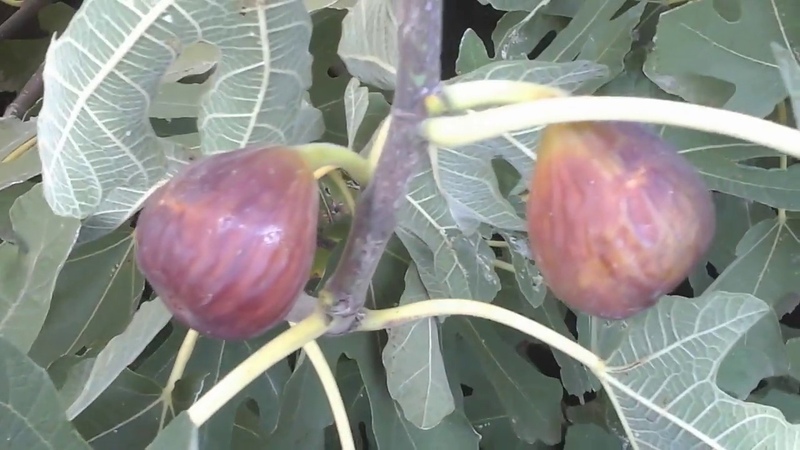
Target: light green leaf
column 89, row 378
column 790, row 74
column 735, row 216
column 180, row 434
column 793, row 355
column 517, row 35
column 304, row 410
column 211, row 360
column 392, row 431
column 531, row 400
column 662, row 378
column 124, row 415
column 764, row 263
column 31, row 266
column 722, row 162
column 529, row 280
column 589, row 23
column 451, row 263
column 512, row 5
column 356, row 102
column 94, row 298
column 738, row 64
column 465, row 174
column 418, row 384
column 89, row 145
column 584, row 436
column 30, row 409
column 471, row 53
column 14, row 137
column 369, row 43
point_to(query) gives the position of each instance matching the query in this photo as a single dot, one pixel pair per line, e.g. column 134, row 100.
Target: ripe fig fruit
column 228, row 243
column 616, row 217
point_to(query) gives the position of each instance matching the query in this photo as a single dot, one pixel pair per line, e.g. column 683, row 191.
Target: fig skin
column 617, row 218
column 229, row 242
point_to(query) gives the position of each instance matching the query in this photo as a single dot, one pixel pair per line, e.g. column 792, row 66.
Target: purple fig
column 228, row 243
column 617, row 218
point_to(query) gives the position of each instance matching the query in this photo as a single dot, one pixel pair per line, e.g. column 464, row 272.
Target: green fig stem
column 504, row 266
column 332, row 393
column 181, row 359
column 322, row 156
column 291, row 340
column 470, row 128
column 481, row 93
column 391, row 317
column 497, row 244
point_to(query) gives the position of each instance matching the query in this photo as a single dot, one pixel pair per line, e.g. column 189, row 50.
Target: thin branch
column 28, row 96
column 23, row 17
column 418, row 75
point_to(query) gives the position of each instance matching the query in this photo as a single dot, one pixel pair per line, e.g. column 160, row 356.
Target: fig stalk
column 325, row 157
column 454, row 131
column 481, row 93
column 286, row 343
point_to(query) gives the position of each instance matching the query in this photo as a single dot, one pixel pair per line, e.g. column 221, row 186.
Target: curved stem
column 392, row 317
column 481, row 93
column 310, row 328
column 332, row 392
column 181, row 359
column 322, row 156
column 471, row 128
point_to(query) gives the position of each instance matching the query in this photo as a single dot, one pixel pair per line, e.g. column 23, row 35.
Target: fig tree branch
column 418, row 75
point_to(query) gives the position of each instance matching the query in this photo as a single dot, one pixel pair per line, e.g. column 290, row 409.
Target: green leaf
column 124, row 416
column 87, row 379
column 95, row 296
column 517, row 35
column 356, row 102
column 368, row 46
column 304, row 409
column 735, row 216
column 723, row 163
column 531, row 400
column 739, row 64
column 90, row 150
column 793, row 355
column 790, row 74
column 482, row 406
column 31, row 266
column 472, row 53
column 392, row 431
column 211, row 360
column 465, row 174
column 418, row 384
column 662, row 377
column 529, row 280
column 14, row 136
column 763, row 267
column 581, row 436
column 180, row 434
column 590, row 23
column 30, row 409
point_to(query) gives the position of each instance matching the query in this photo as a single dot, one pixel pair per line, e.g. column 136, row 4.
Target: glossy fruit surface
column 228, row 243
column 616, row 217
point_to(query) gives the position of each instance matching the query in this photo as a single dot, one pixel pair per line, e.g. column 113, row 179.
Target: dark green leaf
column 29, row 267
column 31, row 413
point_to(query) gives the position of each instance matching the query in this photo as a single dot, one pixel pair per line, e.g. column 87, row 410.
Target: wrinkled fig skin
column 228, row 243
column 616, row 217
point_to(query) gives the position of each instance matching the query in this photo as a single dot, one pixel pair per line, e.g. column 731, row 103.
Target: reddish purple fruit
column 616, row 217
column 228, row 243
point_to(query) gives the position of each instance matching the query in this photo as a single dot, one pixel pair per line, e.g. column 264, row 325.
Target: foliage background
column 85, row 350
